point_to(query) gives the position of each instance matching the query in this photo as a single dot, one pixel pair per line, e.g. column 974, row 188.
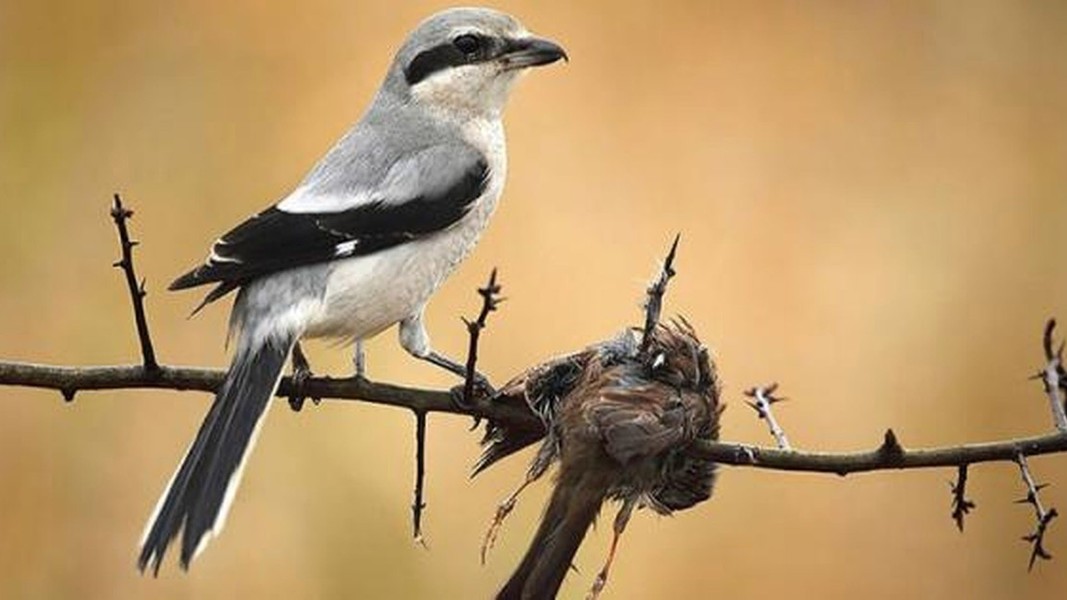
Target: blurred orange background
column 872, row 198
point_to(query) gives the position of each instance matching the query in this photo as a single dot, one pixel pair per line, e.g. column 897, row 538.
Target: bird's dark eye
column 467, row 43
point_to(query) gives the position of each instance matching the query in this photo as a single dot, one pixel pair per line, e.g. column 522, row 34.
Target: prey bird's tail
column 201, row 490
column 572, row 508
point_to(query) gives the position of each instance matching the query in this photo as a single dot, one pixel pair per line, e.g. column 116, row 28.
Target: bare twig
column 762, row 399
column 1042, row 516
column 120, row 215
column 420, row 476
column 490, row 301
column 961, row 506
column 1054, row 377
column 654, row 301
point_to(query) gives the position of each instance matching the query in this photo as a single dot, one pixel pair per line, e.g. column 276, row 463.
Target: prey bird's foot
column 301, row 373
column 502, row 511
column 598, row 586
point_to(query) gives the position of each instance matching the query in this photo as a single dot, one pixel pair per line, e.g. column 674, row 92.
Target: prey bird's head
column 462, row 62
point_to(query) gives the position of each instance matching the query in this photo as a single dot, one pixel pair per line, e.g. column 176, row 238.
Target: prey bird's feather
column 620, row 421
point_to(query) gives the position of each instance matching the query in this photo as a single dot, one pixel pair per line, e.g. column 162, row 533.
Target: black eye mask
column 464, row 49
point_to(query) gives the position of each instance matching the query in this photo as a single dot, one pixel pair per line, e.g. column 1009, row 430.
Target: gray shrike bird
column 360, row 245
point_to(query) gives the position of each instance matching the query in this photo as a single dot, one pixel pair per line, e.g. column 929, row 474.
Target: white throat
column 465, row 94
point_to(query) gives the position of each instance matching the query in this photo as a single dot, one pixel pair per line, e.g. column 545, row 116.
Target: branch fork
column 762, row 400
column 1042, row 516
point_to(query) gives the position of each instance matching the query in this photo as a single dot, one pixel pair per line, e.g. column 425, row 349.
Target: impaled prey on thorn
column 620, row 418
column 359, row 246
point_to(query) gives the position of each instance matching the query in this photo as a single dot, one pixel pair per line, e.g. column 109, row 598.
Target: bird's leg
column 416, row 341
column 359, row 360
column 435, row 358
column 621, row 520
column 502, row 512
column 481, row 382
column 546, row 455
column 301, row 373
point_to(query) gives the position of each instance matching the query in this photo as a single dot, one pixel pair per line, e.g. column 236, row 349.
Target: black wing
column 275, row 240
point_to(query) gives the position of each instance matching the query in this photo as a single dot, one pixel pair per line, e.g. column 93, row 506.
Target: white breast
column 367, row 294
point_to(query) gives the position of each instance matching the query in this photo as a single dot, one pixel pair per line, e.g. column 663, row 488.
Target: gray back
column 393, row 127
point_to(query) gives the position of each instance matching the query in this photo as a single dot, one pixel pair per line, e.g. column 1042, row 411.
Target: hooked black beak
column 531, row 52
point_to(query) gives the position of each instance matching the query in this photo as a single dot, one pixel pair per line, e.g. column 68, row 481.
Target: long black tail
column 571, row 510
column 202, row 488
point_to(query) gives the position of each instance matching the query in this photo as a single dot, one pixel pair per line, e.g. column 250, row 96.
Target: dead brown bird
column 619, row 417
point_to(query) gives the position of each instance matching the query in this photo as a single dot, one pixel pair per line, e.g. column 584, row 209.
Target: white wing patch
column 345, row 248
column 423, row 173
column 303, row 201
column 213, row 257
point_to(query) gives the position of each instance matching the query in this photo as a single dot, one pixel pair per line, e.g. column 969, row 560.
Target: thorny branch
column 70, row 380
column 490, row 301
column 1041, row 515
column 762, row 399
column 420, row 476
column 1054, row 377
column 961, row 506
column 74, row 379
column 654, row 304
column 888, row 455
column 846, row 463
column 120, row 214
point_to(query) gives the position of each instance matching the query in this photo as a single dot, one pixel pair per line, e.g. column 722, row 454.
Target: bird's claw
column 481, row 389
column 502, row 511
column 301, row 373
column 598, row 586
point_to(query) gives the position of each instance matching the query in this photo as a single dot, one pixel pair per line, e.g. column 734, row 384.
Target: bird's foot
column 480, row 389
column 598, row 586
column 301, row 373
column 621, row 520
column 502, row 511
